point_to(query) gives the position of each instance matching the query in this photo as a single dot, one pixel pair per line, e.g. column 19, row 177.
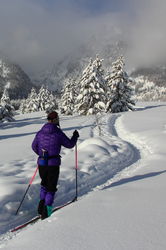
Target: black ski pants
column 49, row 177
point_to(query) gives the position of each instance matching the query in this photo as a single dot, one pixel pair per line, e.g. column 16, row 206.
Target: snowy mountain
column 14, row 79
column 72, row 65
column 121, row 183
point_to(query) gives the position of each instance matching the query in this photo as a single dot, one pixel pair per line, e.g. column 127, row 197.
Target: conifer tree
column 32, row 104
column 23, row 106
column 119, row 89
column 68, row 97
column 91, row 98
column 43, row 101
column 46, row 100
column 6, row 109
column 51, row 104
column 42, row 98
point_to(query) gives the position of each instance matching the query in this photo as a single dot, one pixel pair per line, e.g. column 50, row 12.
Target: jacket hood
column 49, row 128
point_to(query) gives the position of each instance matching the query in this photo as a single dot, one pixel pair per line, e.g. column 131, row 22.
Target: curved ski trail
column 131, row 157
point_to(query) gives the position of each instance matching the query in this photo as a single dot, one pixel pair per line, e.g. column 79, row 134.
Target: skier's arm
column 35, row 145
column 69, row 143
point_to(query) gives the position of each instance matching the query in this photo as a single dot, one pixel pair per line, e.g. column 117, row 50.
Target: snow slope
column 121, row 183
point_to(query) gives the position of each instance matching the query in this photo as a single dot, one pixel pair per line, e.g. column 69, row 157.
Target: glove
column 76, row 134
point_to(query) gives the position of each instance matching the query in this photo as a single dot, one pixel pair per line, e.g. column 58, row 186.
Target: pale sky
column 36, row 33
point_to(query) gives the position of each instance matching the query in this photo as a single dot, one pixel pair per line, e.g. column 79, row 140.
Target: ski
column 35, row 219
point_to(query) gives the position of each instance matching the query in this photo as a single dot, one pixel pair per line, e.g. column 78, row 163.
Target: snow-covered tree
column 46, row 100
column 31, row 103
column 16, row 103
column 119, row 90
column 146, row 90
column 91, row 98
column 51, row 104
column 23, row 105
column 6, row 109
column 43, row 101
column 68, row 97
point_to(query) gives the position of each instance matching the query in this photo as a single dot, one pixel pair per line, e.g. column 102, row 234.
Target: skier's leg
column 43, row 172
column 43, row 190
column 52, row 180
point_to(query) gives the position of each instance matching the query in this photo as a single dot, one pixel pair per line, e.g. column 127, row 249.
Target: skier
column 47, row 145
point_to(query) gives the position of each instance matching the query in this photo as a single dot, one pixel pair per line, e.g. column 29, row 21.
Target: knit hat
column 53, row 115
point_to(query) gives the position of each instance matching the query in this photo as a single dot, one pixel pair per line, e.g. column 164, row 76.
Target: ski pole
column 30, row 182
column 76, row 168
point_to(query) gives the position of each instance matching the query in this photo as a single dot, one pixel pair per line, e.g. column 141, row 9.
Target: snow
column 7, row 86
column 121, row 180
column 146, row 90
column 5, row 70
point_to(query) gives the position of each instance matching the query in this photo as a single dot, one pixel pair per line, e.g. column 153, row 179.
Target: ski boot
column 40, row 207
column 47, row 211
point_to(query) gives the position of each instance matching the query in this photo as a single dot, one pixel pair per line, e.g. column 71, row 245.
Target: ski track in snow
column 131, row 158
column 120, row 158
column 128, row 155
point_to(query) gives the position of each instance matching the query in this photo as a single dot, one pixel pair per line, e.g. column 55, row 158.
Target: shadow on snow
column 3, row 137
column 134, row 178
column 149, row 107
column 22, row 123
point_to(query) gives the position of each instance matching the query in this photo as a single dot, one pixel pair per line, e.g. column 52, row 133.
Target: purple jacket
column 51, row 138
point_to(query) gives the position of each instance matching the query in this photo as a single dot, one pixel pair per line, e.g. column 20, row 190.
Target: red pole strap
column 33, row 177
